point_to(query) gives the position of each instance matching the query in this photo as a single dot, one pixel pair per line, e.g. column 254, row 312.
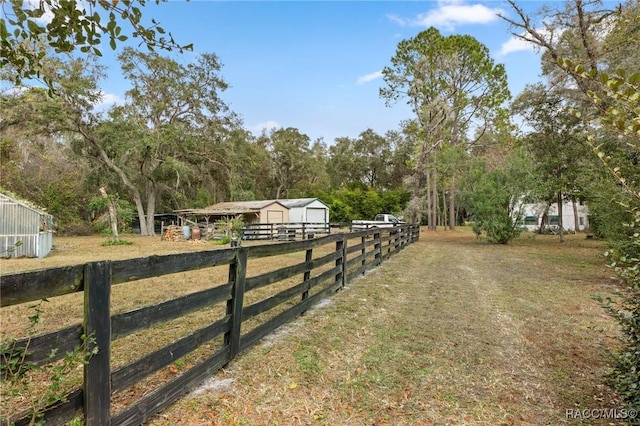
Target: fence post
column 396, row 241
column 341, row 248
column 377, row 248
column 97, row 328
column 237, row 275
column 307, row 275
column 363, row 241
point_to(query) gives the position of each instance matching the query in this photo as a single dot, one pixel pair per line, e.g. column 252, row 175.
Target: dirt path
column 450, row 331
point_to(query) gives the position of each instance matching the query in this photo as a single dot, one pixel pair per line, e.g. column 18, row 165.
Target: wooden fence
column 323, row 266
column 285, row 231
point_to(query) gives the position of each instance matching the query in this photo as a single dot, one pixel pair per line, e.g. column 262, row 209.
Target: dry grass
column 67, row 310
column 450, row 331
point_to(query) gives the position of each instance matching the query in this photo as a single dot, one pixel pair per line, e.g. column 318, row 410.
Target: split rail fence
column 319, row 267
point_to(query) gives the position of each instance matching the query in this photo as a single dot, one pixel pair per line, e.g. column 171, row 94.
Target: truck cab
column 388, row 218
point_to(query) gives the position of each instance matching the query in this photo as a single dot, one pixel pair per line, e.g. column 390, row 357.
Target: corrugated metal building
column 306, row 210
column 24, row 231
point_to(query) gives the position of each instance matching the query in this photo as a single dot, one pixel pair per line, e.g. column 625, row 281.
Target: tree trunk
column 141, row 214
column 576, row 219
column 444, row 209
column 104, row 157
column 452, row 205
column 560, row 224
column 433, row 225
column 151, row 211
column 113, row 215
column 545, row 219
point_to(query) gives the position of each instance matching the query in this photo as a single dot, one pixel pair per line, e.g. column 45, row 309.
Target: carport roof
column 231, row 207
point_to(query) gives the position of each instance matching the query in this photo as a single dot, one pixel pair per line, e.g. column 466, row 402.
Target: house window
column 553, row 220
column 531, row 220
column 581, row 221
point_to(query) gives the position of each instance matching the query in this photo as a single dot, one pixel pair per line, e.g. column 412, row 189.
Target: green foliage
column 59, row 375
column 491, row 207
column 351, row 204
column 99, row 206
column 625, row 374
column 222, row 241
column 232, row 228
column 120, row 242
column 617, row 110
column 493, row 197
column 454, row 89
column 27, row 31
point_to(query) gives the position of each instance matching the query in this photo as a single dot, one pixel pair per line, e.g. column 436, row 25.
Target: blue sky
column 314, row 65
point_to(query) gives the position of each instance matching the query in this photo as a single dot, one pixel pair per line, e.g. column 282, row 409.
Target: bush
column 625, row 260
column 499, row 229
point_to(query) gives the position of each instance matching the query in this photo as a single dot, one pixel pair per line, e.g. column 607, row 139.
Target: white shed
column 306, row 210
column 24, row 230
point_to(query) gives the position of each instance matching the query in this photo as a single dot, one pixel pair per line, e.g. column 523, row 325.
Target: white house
column 533, row 214
column 306, row 210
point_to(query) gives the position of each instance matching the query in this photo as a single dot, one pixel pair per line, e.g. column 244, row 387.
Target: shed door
column 275, row 216
column 316, row 215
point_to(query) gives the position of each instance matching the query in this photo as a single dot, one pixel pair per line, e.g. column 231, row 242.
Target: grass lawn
column 451, row 331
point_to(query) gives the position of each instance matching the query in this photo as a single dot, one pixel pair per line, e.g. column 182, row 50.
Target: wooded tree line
column 469, row 151
column 174, row 143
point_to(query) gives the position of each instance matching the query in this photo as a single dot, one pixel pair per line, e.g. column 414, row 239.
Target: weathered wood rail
column 285, row 231
column 329, row 263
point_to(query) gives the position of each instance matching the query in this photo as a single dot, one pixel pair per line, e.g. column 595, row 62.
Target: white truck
column 380, row 221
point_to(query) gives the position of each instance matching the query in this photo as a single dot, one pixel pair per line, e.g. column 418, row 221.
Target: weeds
column 41, row 386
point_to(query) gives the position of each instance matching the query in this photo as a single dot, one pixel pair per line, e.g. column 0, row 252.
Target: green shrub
column 624, row 377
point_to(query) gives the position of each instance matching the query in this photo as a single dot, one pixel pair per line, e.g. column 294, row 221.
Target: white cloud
column 397, row 19
column 449, row 14
column 515, row 44
column 266, row 126
column 107, row 100
column 369, row 77
column 14, row 90
column 47, row 16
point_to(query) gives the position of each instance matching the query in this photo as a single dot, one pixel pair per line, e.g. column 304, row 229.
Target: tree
column 453, row 88
column 555, row 145
column 290, row 157
column 161, row 126
column 619, row 112
column 316, row 174
column 372, row 156
column 28, row 31
column 340, row 167
column 402, row 148
column 153, row 142
column 608, row 102
column 494, row 195
column 36, row 158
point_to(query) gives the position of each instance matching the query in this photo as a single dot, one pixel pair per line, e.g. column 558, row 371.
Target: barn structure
column 266, row 211
column 264, row 219
column 25, row 231
column 306, row 210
